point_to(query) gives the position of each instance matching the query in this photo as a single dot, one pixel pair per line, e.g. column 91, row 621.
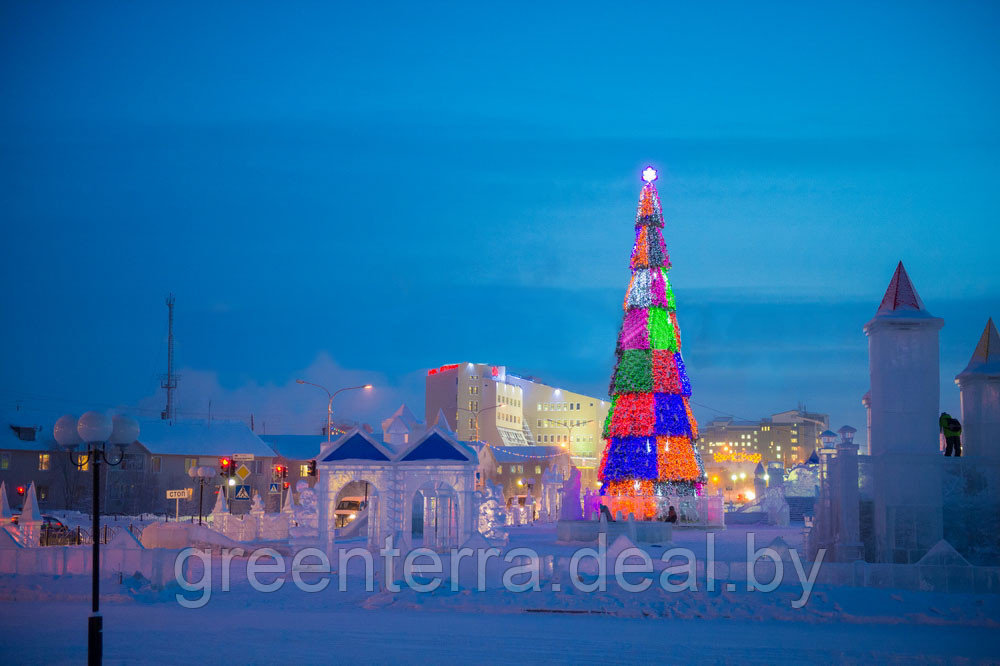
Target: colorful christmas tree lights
column 650, row 428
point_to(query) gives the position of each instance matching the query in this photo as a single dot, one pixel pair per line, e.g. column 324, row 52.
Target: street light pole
column 201, row 473
column 95, row 430
column 476, row 414
column 329, row 404
column 565, row 424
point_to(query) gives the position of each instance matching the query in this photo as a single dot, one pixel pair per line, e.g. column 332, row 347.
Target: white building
column 487, row 403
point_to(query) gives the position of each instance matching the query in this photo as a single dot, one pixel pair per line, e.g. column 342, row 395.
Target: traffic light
column 286, row 484
column 225, row 467
column 311, row 468
column 280, row 472
column 284, row 471
column 21, row 490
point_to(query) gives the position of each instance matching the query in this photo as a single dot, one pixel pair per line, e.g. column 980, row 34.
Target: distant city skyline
column 354, row 198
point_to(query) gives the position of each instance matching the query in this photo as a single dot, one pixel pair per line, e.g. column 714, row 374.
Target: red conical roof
column 986, row 358
column 900, row 295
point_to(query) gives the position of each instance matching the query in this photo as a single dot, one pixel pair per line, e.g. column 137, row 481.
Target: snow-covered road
column 45, row 632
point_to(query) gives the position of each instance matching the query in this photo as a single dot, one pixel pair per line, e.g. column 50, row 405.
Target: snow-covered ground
column 43, row 619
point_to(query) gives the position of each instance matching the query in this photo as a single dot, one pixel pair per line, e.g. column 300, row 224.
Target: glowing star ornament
column 649, row 174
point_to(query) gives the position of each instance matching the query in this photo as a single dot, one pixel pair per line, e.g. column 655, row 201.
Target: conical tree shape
column 650, row 429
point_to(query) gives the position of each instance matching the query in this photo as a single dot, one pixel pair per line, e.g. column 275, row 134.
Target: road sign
column 177, row 496
column 243, row 472
column 274, row 489
column 242, row 493
column 242, row 456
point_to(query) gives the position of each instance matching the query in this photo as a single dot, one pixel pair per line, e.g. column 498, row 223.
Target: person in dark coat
column 672, row 515
column 952, row 431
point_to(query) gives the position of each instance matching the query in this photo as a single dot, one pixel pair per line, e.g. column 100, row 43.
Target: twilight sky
column 356, row 193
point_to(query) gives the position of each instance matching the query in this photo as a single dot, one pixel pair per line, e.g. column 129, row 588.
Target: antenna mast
column 169, row 381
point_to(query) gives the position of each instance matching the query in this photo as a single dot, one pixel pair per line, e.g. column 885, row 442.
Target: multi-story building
column 500, row 408
column 731, row 448
column 787, row 437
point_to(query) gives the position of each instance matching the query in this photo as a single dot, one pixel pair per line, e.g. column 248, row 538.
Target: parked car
column 55, row 533
column 348, row 509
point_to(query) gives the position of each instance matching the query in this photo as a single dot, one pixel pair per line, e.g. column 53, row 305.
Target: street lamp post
column 95, row 431
column 329, row 404
column 570, row 425
column 475, row 413
column 201, row 473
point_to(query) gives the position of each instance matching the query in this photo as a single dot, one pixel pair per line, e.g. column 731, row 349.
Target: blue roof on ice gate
column 356, row 447
column 436, row 447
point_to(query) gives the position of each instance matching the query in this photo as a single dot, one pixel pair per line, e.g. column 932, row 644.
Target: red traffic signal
column 21, row 490
column 286, row 484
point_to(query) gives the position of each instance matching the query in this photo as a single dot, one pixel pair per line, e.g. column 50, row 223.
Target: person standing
column 952, row 431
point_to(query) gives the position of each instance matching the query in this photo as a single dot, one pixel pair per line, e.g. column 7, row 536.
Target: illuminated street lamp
column 329, row 404
column 201, row 473
column 95, row 430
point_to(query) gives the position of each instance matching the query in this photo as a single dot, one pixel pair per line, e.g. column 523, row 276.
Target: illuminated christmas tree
column 650, row 430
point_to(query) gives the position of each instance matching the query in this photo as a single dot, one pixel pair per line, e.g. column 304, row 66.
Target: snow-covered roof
column 901, row 297
column 986, row 357
column 513, row 454
column 201, row 438
column 15, row 425
column 296, row 447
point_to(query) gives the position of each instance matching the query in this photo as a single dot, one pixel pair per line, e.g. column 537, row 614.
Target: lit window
column 538, row 469
column 43, row 493
column 44, row 462
column 83, row 461
column 189, row 463
column 4, row 461
column 304, row 469
column 499, row 469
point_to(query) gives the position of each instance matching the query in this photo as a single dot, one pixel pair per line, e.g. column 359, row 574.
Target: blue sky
column 359, row 193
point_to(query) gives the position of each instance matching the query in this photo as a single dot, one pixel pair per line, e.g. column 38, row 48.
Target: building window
column 513, row 469
column 44, row 462
column 43, row 493
column 133, row 462
column 499, row 469
column 304, row 469
column 4, row 461
column 82, row 462
column 189, row 463
column 520, row 469
column 538, row 469
column 154, row 464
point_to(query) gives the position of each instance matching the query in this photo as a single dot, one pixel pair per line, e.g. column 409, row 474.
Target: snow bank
column 184, row 535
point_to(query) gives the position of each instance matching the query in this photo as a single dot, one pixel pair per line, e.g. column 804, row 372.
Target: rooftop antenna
column 169, row 381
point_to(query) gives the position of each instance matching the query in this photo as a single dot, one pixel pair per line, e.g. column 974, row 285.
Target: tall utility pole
column 169, row 381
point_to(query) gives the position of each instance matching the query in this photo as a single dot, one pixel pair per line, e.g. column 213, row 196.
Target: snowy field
column 44, row 621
